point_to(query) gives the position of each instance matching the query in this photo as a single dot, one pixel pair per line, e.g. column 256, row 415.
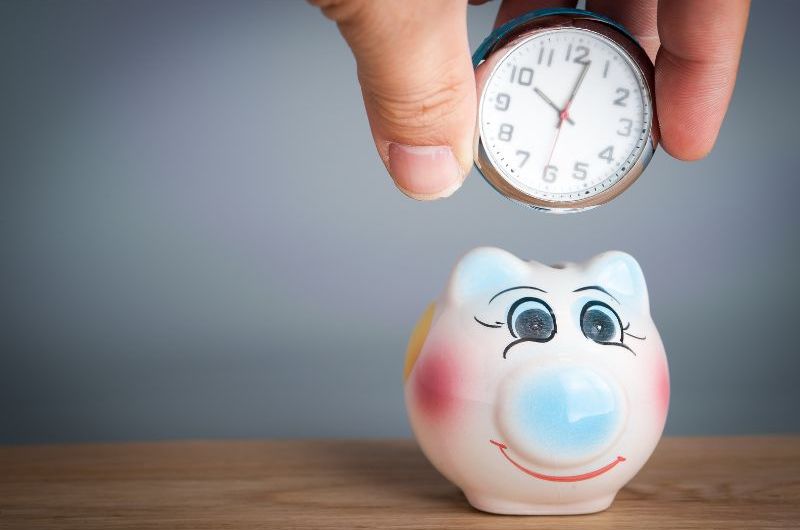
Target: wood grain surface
column 741, row 482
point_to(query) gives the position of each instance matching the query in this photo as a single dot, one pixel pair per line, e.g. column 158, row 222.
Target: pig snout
column 561, row 415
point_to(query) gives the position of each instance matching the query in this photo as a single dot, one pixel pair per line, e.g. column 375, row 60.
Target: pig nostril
column 561, row 415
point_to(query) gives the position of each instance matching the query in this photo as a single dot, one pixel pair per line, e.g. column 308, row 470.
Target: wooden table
column 751, row 482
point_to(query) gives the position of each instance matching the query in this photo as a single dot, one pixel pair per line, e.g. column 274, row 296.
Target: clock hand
column 550, row 102
column 553, row 147
column 561, row 118
column 564, row 114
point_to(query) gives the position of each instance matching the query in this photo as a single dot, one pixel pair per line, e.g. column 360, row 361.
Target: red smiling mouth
column 557, row 478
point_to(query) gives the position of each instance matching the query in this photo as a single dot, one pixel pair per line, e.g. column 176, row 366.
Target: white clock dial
column 565, row 114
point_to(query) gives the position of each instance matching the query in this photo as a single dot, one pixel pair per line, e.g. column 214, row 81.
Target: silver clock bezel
column 635, row 56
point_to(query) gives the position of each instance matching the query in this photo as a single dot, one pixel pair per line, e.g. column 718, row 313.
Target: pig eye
column 600, row 323
column 531, row 319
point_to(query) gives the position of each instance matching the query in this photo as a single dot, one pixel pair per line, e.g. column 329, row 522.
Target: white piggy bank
column 537, row 389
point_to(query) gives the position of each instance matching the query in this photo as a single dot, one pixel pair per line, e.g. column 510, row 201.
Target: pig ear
column 484, row 271
column 620, row 274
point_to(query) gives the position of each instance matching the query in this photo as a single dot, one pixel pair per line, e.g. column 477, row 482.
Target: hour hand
column 550, row 102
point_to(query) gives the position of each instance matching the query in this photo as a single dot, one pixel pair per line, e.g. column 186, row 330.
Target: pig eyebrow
column 515, row 288
column 595, row 288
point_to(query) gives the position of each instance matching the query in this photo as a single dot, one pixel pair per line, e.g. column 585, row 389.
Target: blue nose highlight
column 566, row 413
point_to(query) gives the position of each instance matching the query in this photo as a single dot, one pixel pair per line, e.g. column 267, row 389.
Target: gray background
column 197, row 238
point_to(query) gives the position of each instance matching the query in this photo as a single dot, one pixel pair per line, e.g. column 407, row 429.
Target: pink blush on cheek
column 662, row 390
column 435, row 383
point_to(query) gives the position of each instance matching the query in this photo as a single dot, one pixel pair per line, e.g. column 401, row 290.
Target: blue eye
column 531, row 319
column 600, row 323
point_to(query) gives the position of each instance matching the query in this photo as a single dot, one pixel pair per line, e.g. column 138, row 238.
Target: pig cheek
column 436, row 382
column 661, row 387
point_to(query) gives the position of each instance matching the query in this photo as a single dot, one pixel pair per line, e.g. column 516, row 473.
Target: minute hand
column 565, row 112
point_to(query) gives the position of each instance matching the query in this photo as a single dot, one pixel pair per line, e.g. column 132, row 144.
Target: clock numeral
column 605, row 70
column 580, row 170
column 543, row 54
column 581, row 53
column 525, row 155
column 502, row 101
column 549, row 173
column 626, row 130
column 525, row 77
column 607, row 154
column 624, row 93
column 506, row 130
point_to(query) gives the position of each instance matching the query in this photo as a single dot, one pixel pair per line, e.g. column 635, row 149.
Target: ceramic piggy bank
column 538, row 389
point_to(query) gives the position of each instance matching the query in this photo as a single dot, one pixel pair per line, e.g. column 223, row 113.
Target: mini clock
column 566, row 114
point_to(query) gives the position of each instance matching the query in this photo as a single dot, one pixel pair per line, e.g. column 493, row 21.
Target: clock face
column 565, row 114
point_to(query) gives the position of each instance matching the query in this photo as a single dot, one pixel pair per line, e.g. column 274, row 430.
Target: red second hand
column 562, row 117
column 564, row 114
column 553, row 147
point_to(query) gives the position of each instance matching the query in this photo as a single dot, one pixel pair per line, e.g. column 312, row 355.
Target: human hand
column 418, row 84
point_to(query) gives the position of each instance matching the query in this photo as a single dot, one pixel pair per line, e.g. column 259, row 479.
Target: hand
column 555, row 107
column 418, row 85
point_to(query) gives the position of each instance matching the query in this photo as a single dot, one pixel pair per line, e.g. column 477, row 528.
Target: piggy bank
column 538, row 389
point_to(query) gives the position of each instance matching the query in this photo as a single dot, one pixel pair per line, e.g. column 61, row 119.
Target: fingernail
column 424, row 172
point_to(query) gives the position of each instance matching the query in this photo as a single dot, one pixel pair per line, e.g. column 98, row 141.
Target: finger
column 637, row 16
column 418, row 85
column 510, row 9
column 701, row 41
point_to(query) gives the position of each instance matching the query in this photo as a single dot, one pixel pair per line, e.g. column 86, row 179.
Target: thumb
column 418, row 85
